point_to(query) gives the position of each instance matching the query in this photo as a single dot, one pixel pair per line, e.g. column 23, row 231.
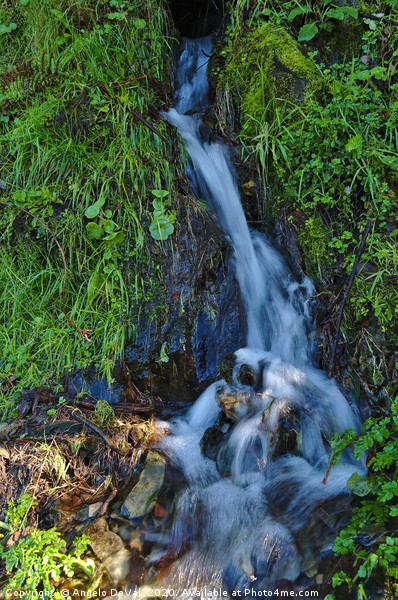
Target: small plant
column 106, row 230
column 162, row 225
column 39, row 559
column 370, row 537
column 104, row 413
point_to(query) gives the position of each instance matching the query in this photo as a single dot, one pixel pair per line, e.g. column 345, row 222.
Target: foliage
column 104, row 413
column 38, row 558
column 309, row 17
column 72, row 153
column 335, row 159
column 370, row 537
column 162, row 222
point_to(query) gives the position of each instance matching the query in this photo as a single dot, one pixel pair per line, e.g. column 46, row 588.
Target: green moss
column 267, row 66
column 314, row 242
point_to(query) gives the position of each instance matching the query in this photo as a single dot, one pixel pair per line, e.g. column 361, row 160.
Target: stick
column 346, row 294
column 100, row 434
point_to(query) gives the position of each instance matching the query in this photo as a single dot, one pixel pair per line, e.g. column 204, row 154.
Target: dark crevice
column 197, row 18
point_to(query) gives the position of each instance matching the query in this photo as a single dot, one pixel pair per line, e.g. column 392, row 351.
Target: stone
column 233, row 403
column 142, row 498
column 109, row 549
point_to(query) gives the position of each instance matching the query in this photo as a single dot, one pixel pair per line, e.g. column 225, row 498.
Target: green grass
column 67, row 141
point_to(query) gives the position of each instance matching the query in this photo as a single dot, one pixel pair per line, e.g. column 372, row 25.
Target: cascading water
column 255, row 499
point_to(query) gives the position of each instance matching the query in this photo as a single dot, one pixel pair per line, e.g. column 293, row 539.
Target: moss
column 267, row 66
column 314, row 242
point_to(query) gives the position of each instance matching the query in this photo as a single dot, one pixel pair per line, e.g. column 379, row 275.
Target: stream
column 254, row 515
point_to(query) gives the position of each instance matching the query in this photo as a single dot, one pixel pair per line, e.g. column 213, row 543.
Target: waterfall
column 254, row 513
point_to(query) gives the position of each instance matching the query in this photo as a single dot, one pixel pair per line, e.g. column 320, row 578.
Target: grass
column 68, row 141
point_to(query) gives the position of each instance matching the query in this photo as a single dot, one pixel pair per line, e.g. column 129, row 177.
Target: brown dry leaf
column 4, row 453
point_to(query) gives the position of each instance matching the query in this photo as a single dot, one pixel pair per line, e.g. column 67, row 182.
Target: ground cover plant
column 80, row 84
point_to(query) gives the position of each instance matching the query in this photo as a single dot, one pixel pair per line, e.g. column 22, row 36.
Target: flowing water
column 254, row 513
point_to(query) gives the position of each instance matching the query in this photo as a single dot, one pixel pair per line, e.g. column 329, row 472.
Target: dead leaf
column 4, row 453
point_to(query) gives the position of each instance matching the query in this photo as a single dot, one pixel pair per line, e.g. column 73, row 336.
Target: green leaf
column 108, row 225
column 359, row 485
column 354, row 143
column 163, row 353
column 300, row 10
column 7, row 28
column 307, row 32
column 92, row 211
column 349, row 10
column 161, row 228
column 58, row 14
column 160, row 193
column 158, row 205
column 117, row 237
column 116, row 16
column 140, row 23
column 94, row 231
column 335, row 13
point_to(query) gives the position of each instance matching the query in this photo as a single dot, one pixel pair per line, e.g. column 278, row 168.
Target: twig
column 377, row 18
column 324, row 480
column 105, row 505
column 84, row 333
column 99, row 433
column 346, row 294
column 151, row 127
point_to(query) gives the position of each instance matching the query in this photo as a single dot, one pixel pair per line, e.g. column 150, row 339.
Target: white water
column 241, row 522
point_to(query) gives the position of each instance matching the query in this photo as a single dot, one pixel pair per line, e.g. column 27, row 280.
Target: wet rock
column 194, row 323
column 89, row 511
column 285, row 430
column 274, row 554
column 225, row 368
column 109, row 550
column 247, row 376
column 213, row 436
column 142, row 498
column 234, row 403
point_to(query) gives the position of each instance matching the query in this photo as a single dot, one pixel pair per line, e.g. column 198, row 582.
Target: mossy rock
column 267, row 67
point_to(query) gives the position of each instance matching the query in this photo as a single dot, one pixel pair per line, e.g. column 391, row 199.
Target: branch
column 346, row 294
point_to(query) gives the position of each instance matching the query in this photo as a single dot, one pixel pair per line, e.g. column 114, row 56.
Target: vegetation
column 375, row 516
column 38, row 559
column 77, row 150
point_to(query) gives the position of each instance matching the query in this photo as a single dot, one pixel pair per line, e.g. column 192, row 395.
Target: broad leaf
column 296, row 11
column 94, row 231
column 335, row 13
column 116, row 237
column 359, row 485
column 307, row 32
column 108, row 225
column 161, row 228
